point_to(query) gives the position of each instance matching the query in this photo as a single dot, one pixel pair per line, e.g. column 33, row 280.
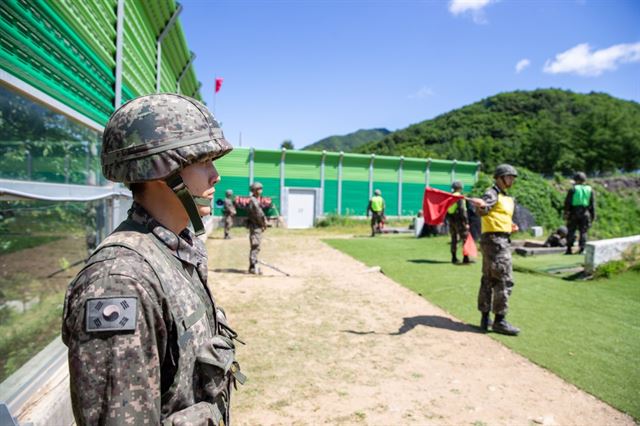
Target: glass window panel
column 39, row 144
column 43, row 245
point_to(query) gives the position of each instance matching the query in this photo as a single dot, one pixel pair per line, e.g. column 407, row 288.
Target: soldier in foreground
column 229, row 212
column 257, row 223
column 458, row 223
column 147, row 342
column 579, row 211
column 376, row 207
column 496, row 209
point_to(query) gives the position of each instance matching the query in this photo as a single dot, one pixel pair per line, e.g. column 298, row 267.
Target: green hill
column 348, row 143
column 546, row 130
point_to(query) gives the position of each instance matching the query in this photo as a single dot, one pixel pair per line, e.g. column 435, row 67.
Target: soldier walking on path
column 496, row 209
column 257, row 222
column 376, row 207
column 458, row 223
column 141, row 325
column 579, row 211
column 229, row 212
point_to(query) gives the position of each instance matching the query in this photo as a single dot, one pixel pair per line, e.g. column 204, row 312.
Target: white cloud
column 522, row 64
column 424, row 92
column 474, row 7
column 582, row 60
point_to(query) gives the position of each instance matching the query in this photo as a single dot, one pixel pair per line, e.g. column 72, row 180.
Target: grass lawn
column 587, row 332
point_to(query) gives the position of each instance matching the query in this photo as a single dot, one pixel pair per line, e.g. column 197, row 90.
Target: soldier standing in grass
column 142, row 327
column 496, row 209
column 458, row 223
column 229, row 212
column 376, row 207
column 579, row 211
column 257, row 222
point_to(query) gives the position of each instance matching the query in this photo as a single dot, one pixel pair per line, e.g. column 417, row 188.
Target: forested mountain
column 546, row 130
column 348, row 143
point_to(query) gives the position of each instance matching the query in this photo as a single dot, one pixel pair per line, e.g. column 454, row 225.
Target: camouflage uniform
column 145, row 364
column 579, row 218
column 228, row 211
column 458, row 228
column 257, row 222
column 147, row 343
column 497, row 272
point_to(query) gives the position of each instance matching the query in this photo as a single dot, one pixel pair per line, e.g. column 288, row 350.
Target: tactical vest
column 581, row 196
column 376, row 203
column 454, row 207
column 499, row 218
column 206, row 365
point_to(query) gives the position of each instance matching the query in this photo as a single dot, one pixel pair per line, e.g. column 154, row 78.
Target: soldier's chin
column 204, row 211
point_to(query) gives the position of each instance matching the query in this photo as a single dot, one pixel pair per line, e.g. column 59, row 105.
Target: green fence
column 346, row 181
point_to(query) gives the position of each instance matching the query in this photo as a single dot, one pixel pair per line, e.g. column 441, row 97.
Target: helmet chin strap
column 189, row 201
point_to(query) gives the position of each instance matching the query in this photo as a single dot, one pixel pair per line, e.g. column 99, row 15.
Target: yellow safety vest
column 376, row 203
column 499, row 218
column 454, row 207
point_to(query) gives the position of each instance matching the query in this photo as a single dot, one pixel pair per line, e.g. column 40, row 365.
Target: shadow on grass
column 434, row 321
column 430, row 261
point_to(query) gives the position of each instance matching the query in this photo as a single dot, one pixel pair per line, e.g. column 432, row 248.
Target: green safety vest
column 454, row 207
column 376, row 203
column 581, row 196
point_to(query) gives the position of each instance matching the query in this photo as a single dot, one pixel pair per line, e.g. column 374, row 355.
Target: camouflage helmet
column 255, row 186
column 563, row 231
column 377, row 192
column 228, row 192
column 456, row 184
column 505, row 170
column 580, row 177
column 156, row 136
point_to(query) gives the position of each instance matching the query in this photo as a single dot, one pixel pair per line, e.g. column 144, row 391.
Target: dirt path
column 338, row 343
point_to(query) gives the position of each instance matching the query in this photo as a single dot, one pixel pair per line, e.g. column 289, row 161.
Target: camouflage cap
column 377, row 192
column 505, row 170
column 456, row 184
column 255, row 186
column 580, row 177
column 154, row 136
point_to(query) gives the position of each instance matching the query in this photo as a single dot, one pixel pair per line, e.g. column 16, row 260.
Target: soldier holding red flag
column 496, row 209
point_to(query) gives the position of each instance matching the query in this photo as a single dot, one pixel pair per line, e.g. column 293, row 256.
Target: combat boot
column 485, row 321
column 454, row 258
column 500, row 325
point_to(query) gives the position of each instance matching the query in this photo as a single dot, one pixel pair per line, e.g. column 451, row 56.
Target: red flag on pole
column 469, row 248
column 219, row 81
column 436, row 203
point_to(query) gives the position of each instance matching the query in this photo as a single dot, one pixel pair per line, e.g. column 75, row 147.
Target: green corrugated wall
column 303, row 169
column 66, row 48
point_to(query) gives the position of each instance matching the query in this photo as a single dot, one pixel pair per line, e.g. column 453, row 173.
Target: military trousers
column 228, row 224
column 497, row 273
column 579, row 220
column 458, row 231
column 255, row 239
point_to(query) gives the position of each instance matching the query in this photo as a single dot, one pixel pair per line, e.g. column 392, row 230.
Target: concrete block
column 602, row 251
column 536, row 231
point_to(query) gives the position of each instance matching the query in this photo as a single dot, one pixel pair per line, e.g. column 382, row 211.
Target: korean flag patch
column 111, row 314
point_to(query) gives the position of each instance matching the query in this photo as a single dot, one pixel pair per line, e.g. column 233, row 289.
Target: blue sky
column 304, row 70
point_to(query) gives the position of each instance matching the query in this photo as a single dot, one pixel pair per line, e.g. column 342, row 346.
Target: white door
column 301, row 208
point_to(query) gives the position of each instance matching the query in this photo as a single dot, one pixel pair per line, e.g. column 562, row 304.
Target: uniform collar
column 184, row 246
column 498, row 190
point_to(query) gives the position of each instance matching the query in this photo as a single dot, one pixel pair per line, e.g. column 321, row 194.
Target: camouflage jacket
column 147, row 344
column 229, row 208
column 255, row 216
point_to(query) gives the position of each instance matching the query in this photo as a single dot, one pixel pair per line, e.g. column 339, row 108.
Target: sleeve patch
column 111, row 314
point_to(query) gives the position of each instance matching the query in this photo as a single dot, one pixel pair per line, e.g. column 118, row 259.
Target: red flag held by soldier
column 469, row 248
column 435, row 204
